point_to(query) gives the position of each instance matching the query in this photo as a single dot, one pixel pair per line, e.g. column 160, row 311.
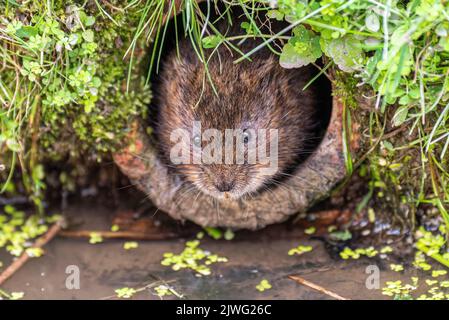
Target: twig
column 119, row 235
column 40, row 242
column 316, row 287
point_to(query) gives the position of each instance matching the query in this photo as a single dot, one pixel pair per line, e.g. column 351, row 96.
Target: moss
column 67, row 91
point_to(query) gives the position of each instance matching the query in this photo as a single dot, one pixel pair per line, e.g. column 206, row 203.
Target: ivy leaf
column 346, row 52
column 303, row 48
column 211, row 42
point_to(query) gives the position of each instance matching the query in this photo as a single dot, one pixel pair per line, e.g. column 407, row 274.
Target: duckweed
column 396, row 267
column 348, row 253
column 18, row 230
column 428, row 245
column 125, row 292
column 310, row 230
column 299, row 250
column 399, row 290
column 34, row 252
column 263, row 285
column 163, row 290
column 95, row 238
column 193, row 258
column 12, row 295
column 438, row 273
column 386, row 249
column 130, row 245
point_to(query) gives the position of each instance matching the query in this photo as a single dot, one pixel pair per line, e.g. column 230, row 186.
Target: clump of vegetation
column 436, row 290
column 216, row 233
column 431, row 253
column 125, row 292
column 63, row 88
column 192, row 257
column 160, row 290
column 263, row 285
column 299, row 250
column 432, row 245
column 17, row 230
column 163, row 290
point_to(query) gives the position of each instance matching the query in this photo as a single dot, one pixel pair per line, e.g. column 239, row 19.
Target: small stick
column 118, row 235
column 316, row 287
column 40, row 242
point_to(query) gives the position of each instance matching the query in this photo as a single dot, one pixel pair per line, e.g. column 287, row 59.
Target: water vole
column 251, row 95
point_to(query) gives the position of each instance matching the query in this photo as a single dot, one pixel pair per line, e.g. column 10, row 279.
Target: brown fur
column 259, row 92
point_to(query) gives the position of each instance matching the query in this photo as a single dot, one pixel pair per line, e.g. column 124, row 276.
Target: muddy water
column 253, row 256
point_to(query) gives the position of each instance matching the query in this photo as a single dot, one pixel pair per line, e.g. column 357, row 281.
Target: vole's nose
column 225, row 186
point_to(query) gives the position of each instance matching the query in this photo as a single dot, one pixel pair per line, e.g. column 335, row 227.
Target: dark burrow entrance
column 175, row 33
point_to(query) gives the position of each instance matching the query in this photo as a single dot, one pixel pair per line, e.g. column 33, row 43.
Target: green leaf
column 346, row 52
column 303, row 48
column 341, row 235
column 89, row 21
column 400, row 116
column 13, row 145
column 372, row 22
column 248, row 27
column 88, row 35
column 26, row 32
column 38, row 172
column 275, row 14
column 214, row 232
column 211, row 42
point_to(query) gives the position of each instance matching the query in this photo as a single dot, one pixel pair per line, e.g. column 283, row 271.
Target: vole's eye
column 246, row 136
column 197, row 141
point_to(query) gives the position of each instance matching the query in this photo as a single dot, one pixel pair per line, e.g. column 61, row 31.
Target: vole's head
column 243, row 99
